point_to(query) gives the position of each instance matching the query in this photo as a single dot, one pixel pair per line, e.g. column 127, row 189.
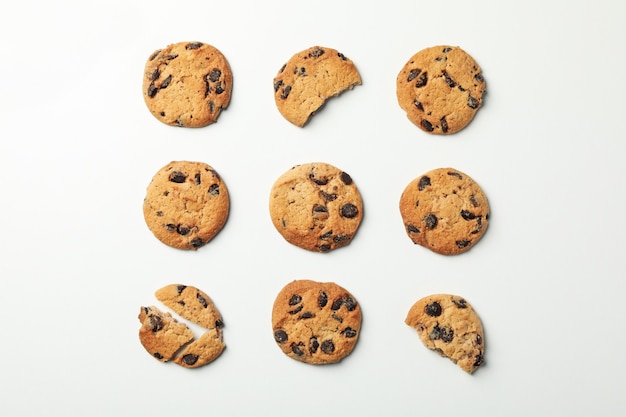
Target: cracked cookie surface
column 186, row 204
column 309, row 79
column 316, row 322
column 440, row 88
column 316, row 206
column 160, row 334
column 449, row 325
column 445, row 211
column 187, row 84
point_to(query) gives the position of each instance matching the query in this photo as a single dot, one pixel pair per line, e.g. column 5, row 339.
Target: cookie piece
column 445, row 211
column 202, row 351
column 187, row 84
column 440, row 88
column 191, row 304
column 449, row 325
column 186, row 204
column 316, row 322
column 316, row 206
column 309, row 78
column 161, row 335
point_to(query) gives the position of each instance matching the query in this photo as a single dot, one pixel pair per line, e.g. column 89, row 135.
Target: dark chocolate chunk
column 296, row 310
column 198, row 179
column 318, row 181
column 424, row 182
column 316, row 53
column 203, row 302
column 295, row 299
column 182, row 230
column 306, row 315
column 328, row 197
column 345, row 178
column 342, row 56
column 156, row 323
column 326, row 235
column 214, row 189
column 193, row 45
column 449, row 80
column 219, row 88
column 190, row 359
column 422, row 80
column 341, row 238
column 154, row 55
column 479, row 77
column 460, row 303
column 413, row 74
column 348, row 332
column 215, row 75
column 462, row 243
column 446, row 49
column 472, row 102
column 219, row 324
column 431, row 221
column 280, row 336
column 455, row 174
column 295, row 348
column 433, row 309
column 322, row 299
column 323, row 248
column 328, row 347
column 152, row 90
column 180, row 288
column 277, row 85
column 427, row 125
column 313, row 345
column 166, row 82
column 467, row 215
column 157, row 355
column 196, row 242
column 178, row 177
column 418, row 105
column 337, row 304
column 154, row 74
column 350, row 303
column 478, row 360
column 349, row 211
column 412, row 229
column 444, row 124
column 286, row 92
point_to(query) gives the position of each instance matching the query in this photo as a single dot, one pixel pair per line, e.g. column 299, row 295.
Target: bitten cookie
column 316, row 206
column 316, row 322
column 440, row 88
column 161, row 335
column 445, row 211
column 187, row 84
column 310, row 78
column 449, row 325
column 186, row 204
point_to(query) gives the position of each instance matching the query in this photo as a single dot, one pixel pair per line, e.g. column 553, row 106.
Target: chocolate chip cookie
column 440, row 88
column 449, row 325
column 161, row 335
column 316, row 206
column 191, row 304
column 309, row 79
column 316, row 322
column 187, row 84
column 186, row 204
column 445, row 211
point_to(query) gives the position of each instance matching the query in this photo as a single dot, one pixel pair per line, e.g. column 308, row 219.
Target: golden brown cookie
column 440, row 88
column 191, row 304
column 309, row 79
column 201, row 351
column 161, row 335
column 316, row 322
column 445, row 211
column 187, row 84
column 186, row 204
column 449, row 325
column 316, row 206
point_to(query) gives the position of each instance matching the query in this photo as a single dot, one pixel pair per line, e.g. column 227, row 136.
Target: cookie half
column 186, row 204
column 441, row 88
column 187, row 84
column 316, row 322
column 161, row 335
column 316, row 206
column 449, row 325
column 445, row 211
column 191, row 304
column 309, row 79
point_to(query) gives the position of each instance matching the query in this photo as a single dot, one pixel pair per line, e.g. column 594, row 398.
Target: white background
column 78, row 148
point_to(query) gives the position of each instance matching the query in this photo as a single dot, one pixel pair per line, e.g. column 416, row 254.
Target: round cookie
column 445, row 211
column 187, row 84
column 160, row 334
column 316, row 206
column 316, row 322
column 449, row 325
column 309, row 78
column 186, row 204
column 440, row 88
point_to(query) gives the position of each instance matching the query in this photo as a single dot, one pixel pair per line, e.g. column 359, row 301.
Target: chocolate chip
column 350, row 303
column 328, row 347
column 460, row 303
column 277, row 85
column 341, row 238
column 444, row 124
column 180, row 288
column 219, row 88
column 445, row 334
column 427, row 125
column 316, row 53
column 349, row 211
column 171, row 57
column 196, row 242
column 462, row 243
column 479, row 340
column 342, row 56
column 467, row 215
column 166, row 82
column 171, row 227
column 190, row 359
column 318, row 181
column 214, row 189
column 296, row 310
column 154, row 55
column 348, row 332
column 424, row 182
column 286, row 92
column 219, row 324
column 157, row 355
column 323, row 248
column 412, row 229
column 154, row 75
column 337, row 304
column 451, row 83
column 413, row 74
column 431, row 221
column 198, row 178
column 295, row 348
column 328, row 197
column 433, row 309
column 319, row 210
column 446, row 50
column 295, row 299
column 193, row 45
column 322, row 299
column 422, row 80
column 159, row 213
column 203, row 302
column 479, row 77
column 345, row 178
column 215, row 75
column 152, row 90
column 306, row 315
column 156, row 323
column 455, row 174
column 313, row 345
column 473, row 200
column 472, row 102
column 326, row 235
column 280, row 336
column 478, row 360
column 337, row 317
column 182, row 230
column 177, row 177
column 418, row 105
